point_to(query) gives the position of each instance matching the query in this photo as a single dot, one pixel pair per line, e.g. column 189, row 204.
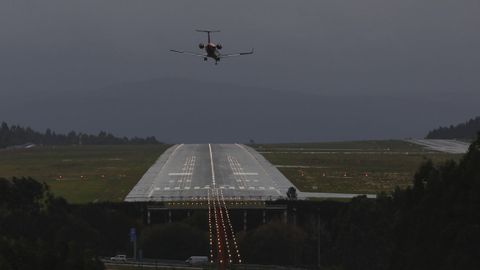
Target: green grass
column 350, row 167
column 83, row 173
column 350, row 146
column 370, row 166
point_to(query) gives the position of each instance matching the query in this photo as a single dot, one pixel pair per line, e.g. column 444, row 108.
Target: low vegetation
column 82, row 174
column 350, row 167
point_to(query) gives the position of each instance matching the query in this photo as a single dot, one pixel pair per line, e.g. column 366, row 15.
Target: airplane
column 212, row 50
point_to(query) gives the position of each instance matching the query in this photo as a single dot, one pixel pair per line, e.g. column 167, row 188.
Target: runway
column 188, row 171
column 446, row 146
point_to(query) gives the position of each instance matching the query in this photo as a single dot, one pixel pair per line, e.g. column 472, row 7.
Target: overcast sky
column 390, row 48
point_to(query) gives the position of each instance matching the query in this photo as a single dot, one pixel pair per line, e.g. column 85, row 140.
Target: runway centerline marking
column 211, row 164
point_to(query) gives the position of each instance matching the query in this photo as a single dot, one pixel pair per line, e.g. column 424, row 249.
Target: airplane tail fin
column 208, row 32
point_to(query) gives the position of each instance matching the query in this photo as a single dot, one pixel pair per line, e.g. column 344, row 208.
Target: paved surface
column 447, row 146
column 186, row 171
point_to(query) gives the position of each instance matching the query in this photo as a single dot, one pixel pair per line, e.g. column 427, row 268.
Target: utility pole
column 133, row 238
column 318, row 240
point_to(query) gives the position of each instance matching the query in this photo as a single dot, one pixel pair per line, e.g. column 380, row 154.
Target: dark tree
column 292, row 193
column 18, row 136
column 467, row 130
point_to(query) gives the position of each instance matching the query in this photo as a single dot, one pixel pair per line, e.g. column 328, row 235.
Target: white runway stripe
column 180, row 173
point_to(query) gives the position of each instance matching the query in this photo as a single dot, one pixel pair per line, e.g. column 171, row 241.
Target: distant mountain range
column 176, row 110
column 467, row 131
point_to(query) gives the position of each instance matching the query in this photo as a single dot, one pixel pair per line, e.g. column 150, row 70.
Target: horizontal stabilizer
column 207, row 31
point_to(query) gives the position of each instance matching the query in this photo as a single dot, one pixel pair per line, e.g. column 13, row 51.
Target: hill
column 189, row 111
column 467, row 131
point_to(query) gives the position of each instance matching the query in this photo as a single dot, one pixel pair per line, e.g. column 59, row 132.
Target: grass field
column 83, row 173
column 350, row 167
column 107, row 173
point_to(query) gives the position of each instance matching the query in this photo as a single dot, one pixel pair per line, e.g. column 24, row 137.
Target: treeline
column 467, row 130
column 39, row 231
column 17, row 135
column 434, row 224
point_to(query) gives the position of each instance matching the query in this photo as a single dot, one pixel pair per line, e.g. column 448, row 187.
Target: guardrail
column 151, row 264
column 166, row 264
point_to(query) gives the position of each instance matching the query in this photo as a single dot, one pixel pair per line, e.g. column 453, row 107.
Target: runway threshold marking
column 260, row 165
column 237, row 171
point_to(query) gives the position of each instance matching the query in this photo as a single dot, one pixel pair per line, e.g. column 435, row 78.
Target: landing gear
column 205, row 59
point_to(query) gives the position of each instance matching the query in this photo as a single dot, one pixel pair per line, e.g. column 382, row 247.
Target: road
column 447, row 146
column 187, row 171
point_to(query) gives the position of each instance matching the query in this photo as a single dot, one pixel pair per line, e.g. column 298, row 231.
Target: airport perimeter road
column 188, row 171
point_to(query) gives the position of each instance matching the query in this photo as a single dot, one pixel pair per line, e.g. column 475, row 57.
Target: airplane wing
column 190, row 53
column 236, row 54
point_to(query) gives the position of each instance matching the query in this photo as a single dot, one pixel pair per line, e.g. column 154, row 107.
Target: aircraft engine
column 219, row 46
column 201, row 46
